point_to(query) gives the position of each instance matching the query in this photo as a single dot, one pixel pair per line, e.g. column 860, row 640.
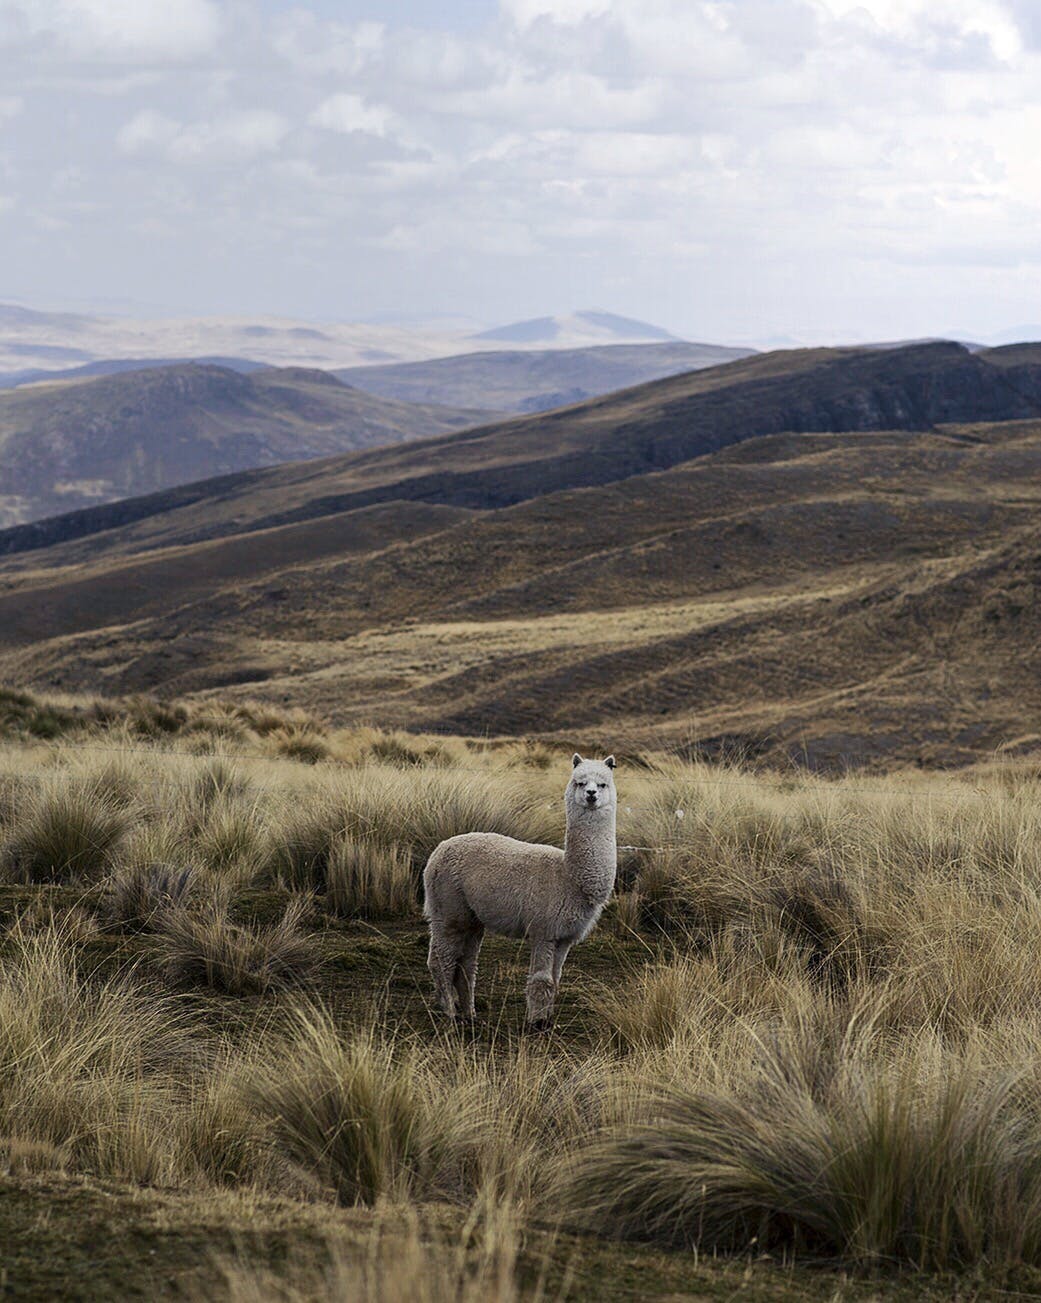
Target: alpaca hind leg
column 540, row 988
column 466, row 972
column 441, row 960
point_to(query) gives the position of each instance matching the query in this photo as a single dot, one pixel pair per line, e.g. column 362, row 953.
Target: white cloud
column 114, row 30
column 348, row 113
column 526, row 12
column 237, row 135
column 779, row 152
column 923, row 22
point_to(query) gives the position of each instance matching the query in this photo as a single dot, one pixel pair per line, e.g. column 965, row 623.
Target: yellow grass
column 820, row 1034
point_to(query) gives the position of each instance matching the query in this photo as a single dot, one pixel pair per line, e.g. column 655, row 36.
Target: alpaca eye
column 601, row 784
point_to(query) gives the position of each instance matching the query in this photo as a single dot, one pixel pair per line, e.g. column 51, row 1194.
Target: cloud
column 238, row 135
column 117, row 30
column 707, row 160
column 347, row 113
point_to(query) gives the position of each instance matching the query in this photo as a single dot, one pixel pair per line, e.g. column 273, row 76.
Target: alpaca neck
column 591, row 852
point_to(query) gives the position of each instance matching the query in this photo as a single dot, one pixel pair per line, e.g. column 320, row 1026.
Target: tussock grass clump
column 22, row 713
column 303, row 839
column 926, row 1161
column 743, row 974
column 362, row 1114
column 217, row 781
column 138, row 896
column 64, row 833
column 299, row 743
column 206, row 948
column 420, row 810
column 146, row 717
column 91, row 1069
column 232, row 841
column 366, row 880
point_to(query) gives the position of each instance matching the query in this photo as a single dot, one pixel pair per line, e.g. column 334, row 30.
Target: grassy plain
column 797, row 1059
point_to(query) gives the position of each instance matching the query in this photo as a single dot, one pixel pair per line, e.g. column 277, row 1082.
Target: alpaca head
column 592, row 784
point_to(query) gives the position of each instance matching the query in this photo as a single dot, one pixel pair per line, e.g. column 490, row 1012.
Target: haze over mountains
column 33, row 341
column 827, row 554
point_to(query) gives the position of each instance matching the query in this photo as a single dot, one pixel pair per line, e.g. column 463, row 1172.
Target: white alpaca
column 553, row 897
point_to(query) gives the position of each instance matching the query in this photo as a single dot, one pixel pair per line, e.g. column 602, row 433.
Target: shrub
column 365, row 880
column 208, row 949
column 65, row 833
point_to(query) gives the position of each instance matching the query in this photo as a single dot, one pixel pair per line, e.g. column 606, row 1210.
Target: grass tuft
column 207, row 949
column 64, row 834
column 366, row 880
column 362, row 1114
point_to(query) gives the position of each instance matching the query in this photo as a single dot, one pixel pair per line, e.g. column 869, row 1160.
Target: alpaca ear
column 609, row 762
column 576, row 760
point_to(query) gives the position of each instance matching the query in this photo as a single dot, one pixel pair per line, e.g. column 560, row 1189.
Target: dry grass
column 91, row 1068
column 63, row 833
column 366, row 880
column 138, row 897
column 367, row 1119
column 819, row 1037
column 206, row 948
column 411, row 1263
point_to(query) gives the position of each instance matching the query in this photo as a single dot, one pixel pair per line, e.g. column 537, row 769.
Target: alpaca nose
column 590, row 796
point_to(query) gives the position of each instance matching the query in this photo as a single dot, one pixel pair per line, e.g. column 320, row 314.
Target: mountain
column 535, row 381
column 70, row 444
column 113, row 366
column 40, row 341
column 579, row 328
column 828, row 556
column 31, row 340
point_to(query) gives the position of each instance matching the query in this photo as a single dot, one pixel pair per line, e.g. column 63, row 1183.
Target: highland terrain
column 826, row 556
column 796, row 594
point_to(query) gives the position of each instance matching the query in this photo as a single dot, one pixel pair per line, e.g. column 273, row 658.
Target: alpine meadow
column 505, row 801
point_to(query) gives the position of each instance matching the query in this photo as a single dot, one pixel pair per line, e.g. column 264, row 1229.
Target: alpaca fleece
column 483, row 881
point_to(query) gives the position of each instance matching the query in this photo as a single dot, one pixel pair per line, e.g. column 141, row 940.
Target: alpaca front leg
column 560, row 953
column 541, row 987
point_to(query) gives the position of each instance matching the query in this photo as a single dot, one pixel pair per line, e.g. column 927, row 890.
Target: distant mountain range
column 73, row 443
column 828, row 556
column 537, row 380
column 114, row 429
column 34, row 341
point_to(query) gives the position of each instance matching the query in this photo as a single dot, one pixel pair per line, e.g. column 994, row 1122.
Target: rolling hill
column 538, row 380
column 827, row 555
column 73, row 443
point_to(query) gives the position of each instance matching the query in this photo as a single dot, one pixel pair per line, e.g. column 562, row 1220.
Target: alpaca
column 552, row 897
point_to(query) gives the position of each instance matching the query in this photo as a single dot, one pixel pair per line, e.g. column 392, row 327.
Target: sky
column 734, row 170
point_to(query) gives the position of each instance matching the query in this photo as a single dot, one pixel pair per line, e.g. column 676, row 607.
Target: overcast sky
column 730, row 170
